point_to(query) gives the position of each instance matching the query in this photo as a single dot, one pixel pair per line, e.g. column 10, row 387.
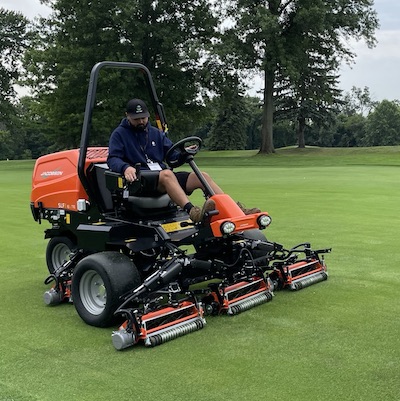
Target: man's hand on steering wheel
column 191, row 148
column 183, row 150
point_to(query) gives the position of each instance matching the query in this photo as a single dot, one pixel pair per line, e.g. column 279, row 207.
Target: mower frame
column 128, row 261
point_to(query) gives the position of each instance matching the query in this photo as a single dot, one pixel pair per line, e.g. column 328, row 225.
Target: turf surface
column 338, row 340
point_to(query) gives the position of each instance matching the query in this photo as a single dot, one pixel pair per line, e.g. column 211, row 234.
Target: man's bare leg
column 194, row 183
column 168, row 183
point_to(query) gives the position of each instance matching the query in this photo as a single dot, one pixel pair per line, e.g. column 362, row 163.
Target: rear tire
column 58, row 251
column 98, row 283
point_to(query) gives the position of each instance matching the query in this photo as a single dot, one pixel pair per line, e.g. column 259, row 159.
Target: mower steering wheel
column 186, row 148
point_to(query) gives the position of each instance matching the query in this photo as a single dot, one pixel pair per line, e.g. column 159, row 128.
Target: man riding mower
column 140, row 261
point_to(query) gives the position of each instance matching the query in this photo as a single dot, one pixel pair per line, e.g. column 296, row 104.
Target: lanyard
column 143, row 148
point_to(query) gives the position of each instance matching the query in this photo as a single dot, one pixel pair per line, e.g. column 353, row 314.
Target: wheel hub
column 93, row 292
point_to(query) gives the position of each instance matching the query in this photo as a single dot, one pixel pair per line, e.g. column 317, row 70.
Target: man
column 135, row 141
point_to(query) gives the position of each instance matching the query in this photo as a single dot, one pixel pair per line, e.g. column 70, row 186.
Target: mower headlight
column 264, row 221
column 227, row 227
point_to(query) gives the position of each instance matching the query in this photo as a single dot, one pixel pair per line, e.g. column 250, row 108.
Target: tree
column 169, row 37
column 352, row 119
column 307, row 94
column 13, row 40
column 285, row 133
column 383, row 125
column 358, row 101
column 268, row 36
column 350, row 130
column 254, row 126
column 229, row 130
column 311, row 99
column 33, row 124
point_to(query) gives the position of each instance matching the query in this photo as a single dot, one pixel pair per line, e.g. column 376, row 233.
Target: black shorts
column 149, row 182
column 182, row 177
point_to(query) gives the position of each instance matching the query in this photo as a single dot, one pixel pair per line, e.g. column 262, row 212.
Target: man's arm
column 116, row 155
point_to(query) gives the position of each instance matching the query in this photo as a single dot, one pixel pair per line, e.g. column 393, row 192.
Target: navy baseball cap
column 137, row 108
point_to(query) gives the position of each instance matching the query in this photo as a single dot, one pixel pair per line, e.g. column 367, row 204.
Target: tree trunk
column 267, row 141
column 300, row 132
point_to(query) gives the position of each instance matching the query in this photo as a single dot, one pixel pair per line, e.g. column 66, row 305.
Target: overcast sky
column 377, row 68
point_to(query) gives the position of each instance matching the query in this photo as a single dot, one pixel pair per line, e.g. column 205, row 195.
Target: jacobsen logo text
column 51, row 173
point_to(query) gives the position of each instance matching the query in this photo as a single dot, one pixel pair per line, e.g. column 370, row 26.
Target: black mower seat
column 160, row 201
column 150, row 202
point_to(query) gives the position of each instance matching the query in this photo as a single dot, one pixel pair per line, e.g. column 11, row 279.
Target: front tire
column 98, row 283
column 257, row 235
column 58, row 251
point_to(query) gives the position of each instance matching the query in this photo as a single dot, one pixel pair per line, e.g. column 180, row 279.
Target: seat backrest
column 104, row 193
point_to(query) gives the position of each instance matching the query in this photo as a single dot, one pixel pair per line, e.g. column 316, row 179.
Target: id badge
column 154, row 166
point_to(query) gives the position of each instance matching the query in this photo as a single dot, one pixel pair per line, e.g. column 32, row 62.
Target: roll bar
column 90, row 101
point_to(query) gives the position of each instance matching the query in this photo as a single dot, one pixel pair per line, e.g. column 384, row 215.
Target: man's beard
column 140, row 128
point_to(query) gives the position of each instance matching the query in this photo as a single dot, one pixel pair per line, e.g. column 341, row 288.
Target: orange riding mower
column 138, row 262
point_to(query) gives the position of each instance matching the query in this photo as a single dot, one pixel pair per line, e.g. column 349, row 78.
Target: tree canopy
column 285, row 36
column 13, row 41
column 167, row 36
column 382, row 127
column 200, row 54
